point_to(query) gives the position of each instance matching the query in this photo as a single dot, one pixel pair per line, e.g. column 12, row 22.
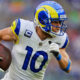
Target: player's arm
column 6, row 34
column 64, row 62
column 61, row 56
column 5, row 54
column 11, row 33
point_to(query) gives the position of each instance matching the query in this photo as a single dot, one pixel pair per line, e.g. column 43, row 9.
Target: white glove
column 54, row 48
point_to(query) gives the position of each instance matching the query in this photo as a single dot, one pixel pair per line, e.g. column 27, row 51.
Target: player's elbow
column 68, row 68
column 67, row 71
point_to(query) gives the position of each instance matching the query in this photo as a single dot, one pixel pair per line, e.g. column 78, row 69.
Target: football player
column 35, row 43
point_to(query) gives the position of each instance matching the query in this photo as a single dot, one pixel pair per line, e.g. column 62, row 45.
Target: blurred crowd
column 12, row 9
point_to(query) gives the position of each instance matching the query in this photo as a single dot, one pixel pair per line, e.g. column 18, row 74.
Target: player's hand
column 54, row 49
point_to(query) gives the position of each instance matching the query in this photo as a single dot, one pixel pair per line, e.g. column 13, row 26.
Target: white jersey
column 30, row 55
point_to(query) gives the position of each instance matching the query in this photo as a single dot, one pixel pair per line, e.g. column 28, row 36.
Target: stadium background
column 12, row 9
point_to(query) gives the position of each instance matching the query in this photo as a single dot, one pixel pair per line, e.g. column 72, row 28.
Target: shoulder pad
column 16, row 24
column 66, row 41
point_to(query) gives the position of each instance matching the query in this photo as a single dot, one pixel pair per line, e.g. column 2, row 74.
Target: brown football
column 5, row 57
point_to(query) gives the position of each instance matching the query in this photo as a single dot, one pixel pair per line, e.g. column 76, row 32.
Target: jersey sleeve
column 65, row 42
column 16, row 28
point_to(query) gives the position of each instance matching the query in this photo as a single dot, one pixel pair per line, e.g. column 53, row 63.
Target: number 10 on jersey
column 33, row 59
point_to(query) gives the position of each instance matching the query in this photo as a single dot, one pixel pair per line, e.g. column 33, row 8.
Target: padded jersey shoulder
column 62, row 41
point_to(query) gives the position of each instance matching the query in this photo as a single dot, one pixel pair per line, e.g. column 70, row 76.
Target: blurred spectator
column 16, row 6
column 75, row 3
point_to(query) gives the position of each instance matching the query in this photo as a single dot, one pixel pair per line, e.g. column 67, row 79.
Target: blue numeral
column 27, row 58
column 33, row 60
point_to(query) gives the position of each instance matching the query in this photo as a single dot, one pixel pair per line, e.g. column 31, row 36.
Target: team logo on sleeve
column 28, row 33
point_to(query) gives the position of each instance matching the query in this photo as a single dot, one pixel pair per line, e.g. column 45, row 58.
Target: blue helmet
column 47, row 12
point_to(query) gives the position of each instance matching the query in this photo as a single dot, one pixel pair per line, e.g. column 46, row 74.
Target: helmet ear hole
column 47, row 28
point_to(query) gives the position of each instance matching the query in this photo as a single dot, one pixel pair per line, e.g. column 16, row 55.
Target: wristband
column 56, row 54
column 67, row 68
column 59, row 57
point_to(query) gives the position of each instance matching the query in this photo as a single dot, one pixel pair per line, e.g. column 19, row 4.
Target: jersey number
column 33, row 59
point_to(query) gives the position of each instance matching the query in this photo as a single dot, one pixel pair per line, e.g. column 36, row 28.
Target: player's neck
column 42, row 35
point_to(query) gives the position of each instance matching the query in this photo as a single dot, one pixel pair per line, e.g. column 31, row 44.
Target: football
column 5, row 57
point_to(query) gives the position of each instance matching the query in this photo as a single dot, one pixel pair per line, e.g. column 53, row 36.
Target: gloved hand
column 54, row 49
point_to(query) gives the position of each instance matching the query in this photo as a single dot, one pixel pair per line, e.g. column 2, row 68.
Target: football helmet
column 47, row 12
